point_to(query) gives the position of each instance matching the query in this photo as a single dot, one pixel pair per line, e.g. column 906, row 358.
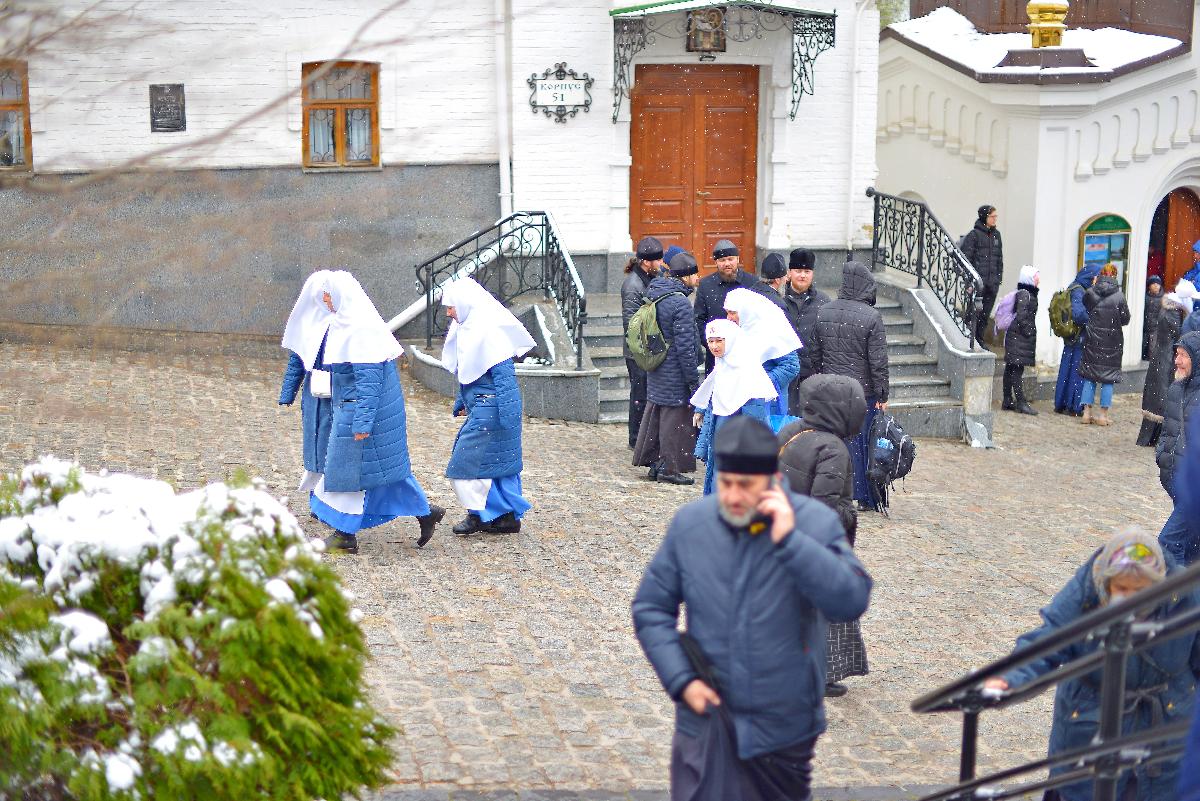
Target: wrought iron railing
column 907, row 237
column 520, row 254
column 1118, row 631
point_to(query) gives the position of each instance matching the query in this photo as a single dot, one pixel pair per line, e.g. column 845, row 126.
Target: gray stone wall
column 225, row 250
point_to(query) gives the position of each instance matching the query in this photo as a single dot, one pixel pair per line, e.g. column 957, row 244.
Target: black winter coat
column 1183, row 398
column 814, row 457
column 984, row 249
column 849, row 338
column 710, row 296
column 1161, row 373
column 768, row 292
column 1020, row 340
column 633, row 295
column 675, row 380
column 802, row 311
column 1105, row 343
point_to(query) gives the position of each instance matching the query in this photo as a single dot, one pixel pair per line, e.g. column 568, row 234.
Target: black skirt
column 845, row 652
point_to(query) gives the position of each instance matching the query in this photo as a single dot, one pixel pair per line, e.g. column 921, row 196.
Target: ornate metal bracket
column 560, row 111
column 812, row 35
column 629, row 39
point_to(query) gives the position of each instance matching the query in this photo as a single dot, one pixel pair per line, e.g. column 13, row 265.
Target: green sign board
column 1109, row 222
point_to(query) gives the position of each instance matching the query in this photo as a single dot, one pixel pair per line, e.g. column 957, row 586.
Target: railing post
column 970, row 739
column 920, row 246
column 874, row 229
column 430, row 310
column 1117, row 643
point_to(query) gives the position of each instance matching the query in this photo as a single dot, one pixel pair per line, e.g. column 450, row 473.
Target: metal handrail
column 520, row 253
column 1119, row 633
column 908, row 237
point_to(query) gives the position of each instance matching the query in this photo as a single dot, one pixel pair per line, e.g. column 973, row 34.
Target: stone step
column 609, row 356
column 604, row 336
column 897, row 324
column 904, row 344
column 911, row 387
column 621, row 417
column 935, row 416
column 906, row 364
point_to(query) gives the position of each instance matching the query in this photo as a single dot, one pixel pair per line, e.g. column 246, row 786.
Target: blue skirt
column 403, row 498
column 1068, row 391
column 504, row 497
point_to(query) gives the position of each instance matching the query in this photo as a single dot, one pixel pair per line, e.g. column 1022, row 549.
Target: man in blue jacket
column 760, row 570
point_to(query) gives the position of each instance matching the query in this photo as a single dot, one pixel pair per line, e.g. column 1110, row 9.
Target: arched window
column 1104, row 239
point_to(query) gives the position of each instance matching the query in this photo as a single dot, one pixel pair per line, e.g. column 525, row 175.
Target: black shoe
column 428, row 522
column 1024, row 408
column 653, row 474
column 835, row 689
column 340, row 541
column 468, row 525
column 675, row 478
column 507, row 523
column 1058, row 410
column 1008, row 406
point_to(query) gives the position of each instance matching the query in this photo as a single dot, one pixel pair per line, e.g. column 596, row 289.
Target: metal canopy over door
column 694, row 139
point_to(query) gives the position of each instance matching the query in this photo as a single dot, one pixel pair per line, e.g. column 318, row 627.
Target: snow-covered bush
column 155, row 645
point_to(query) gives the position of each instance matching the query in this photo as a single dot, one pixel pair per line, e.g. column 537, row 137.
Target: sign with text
column 560, row 92
column 553, row 92
column 167, row 108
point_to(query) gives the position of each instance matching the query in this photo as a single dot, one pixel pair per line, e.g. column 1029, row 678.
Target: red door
column 1183, row 229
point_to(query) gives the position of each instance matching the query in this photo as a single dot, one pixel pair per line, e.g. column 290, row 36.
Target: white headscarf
column 1029, row 275
column 484, row 334
column 1187, row 290
column 309, row 320
column 738, row 375
column 357, row 334
column 764, row 322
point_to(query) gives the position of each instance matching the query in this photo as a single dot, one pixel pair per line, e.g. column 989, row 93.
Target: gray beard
column 737, row 521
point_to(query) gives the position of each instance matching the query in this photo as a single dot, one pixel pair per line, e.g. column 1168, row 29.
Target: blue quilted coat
column 316, row 414
column 783, row 372
column 367, row 399
column 489, row 443
column 757, row 408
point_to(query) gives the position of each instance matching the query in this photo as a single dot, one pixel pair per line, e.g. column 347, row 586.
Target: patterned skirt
column 845, row 652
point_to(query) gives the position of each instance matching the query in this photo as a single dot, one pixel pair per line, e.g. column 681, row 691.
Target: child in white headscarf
column 766, row 323
column 304, row 336
column 367, row 477
column 738, row 384
column 485, row 466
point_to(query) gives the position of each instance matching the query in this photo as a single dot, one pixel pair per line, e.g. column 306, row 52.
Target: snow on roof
column 952, row 35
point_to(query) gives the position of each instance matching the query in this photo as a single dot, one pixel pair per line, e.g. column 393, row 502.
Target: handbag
column 320, row 384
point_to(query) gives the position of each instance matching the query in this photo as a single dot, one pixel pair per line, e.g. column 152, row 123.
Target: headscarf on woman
column 764, row 322
column 484, row 334
column 309, row 320
column 1130, row 553
column 738, row 376
column 357, row 334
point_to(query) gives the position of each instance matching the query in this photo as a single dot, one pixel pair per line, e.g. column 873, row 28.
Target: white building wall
column 1050, row 158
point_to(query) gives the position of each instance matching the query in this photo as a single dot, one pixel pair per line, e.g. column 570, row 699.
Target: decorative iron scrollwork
column 560, row 110
column 812, row 35
column 629, row 39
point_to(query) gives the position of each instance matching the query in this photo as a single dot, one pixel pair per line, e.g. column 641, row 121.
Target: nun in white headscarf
column 306, row 372
column 764, row 322
column 485, row 467
column 367, row 478
column 737, row 385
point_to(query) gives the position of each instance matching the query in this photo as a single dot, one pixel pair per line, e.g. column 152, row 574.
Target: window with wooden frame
column 15, row 134
column 341, row 114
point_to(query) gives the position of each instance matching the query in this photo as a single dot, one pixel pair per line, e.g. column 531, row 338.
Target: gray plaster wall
column 225, row 251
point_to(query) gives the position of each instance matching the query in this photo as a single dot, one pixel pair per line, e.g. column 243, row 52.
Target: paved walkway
column 509, row 663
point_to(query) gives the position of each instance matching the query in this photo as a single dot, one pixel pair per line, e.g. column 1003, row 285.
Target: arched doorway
column 1173, row 230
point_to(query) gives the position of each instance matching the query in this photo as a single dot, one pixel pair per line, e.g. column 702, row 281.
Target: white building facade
column 418, row 131
column 1057, row 151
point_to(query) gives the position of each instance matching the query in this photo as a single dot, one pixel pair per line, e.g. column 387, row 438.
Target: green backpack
column 1062, row 321
column 647, row 345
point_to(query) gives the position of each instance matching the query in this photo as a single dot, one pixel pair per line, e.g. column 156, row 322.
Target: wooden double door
column 1183, row 229
column 694, row 141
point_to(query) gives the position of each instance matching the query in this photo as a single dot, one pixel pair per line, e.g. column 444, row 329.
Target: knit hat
column 724, row 248
column 773, row 267
column 984, row 211
column 649, row 249
column 1154, row 279
column 1130, row 553
column 802, row 259
column 746, row 446
column 1029, row 275
column 671, row 253
column 682, row 264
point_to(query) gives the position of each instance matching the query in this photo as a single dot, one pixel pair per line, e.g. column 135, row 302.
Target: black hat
column 724, row 248
column 773, row 267
column 649, row 249
column 802, row 259
column 683, row 264
column 984, row 211
column 747, row 446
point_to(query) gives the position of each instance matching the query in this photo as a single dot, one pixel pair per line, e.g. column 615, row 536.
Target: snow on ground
column 952, row 35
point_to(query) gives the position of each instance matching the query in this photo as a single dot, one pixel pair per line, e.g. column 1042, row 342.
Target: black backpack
column 890, row 456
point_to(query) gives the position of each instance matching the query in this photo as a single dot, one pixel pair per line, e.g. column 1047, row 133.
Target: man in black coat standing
column 772, row 275
column 802, row 301
column 1182, row 404
column 983, row 248
column 710, row 297
column 642, row 269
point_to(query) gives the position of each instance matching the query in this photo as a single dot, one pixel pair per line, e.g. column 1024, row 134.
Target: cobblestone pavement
column 510, row 663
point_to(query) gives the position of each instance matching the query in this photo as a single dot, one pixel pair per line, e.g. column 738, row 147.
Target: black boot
column 428, row 522
column 507, row 523
column 835, row 689
column 1007, row 405
column 654, row 468
column 341, row 541
column 468, row 525
column 674, row 478
column 1022, row 405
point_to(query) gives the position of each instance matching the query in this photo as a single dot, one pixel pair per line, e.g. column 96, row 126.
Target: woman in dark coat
column 1154, row 296
column 1105, row 345
column 1020, row 341
column 816, row 463
column 1161, row 372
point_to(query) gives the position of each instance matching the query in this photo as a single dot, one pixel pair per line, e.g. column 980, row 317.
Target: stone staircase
column 920, row 397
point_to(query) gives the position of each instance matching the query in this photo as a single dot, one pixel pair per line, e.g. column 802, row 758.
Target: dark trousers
column 860, row 458
column 1179, row 538
column 637, row 398
column 1014, row 390
column 989, row 302
column 791, row 769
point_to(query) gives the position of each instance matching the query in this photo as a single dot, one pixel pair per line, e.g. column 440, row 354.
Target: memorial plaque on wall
column 166, row 107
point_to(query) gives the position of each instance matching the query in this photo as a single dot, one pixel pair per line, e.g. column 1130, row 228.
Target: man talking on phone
column 761, row 570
